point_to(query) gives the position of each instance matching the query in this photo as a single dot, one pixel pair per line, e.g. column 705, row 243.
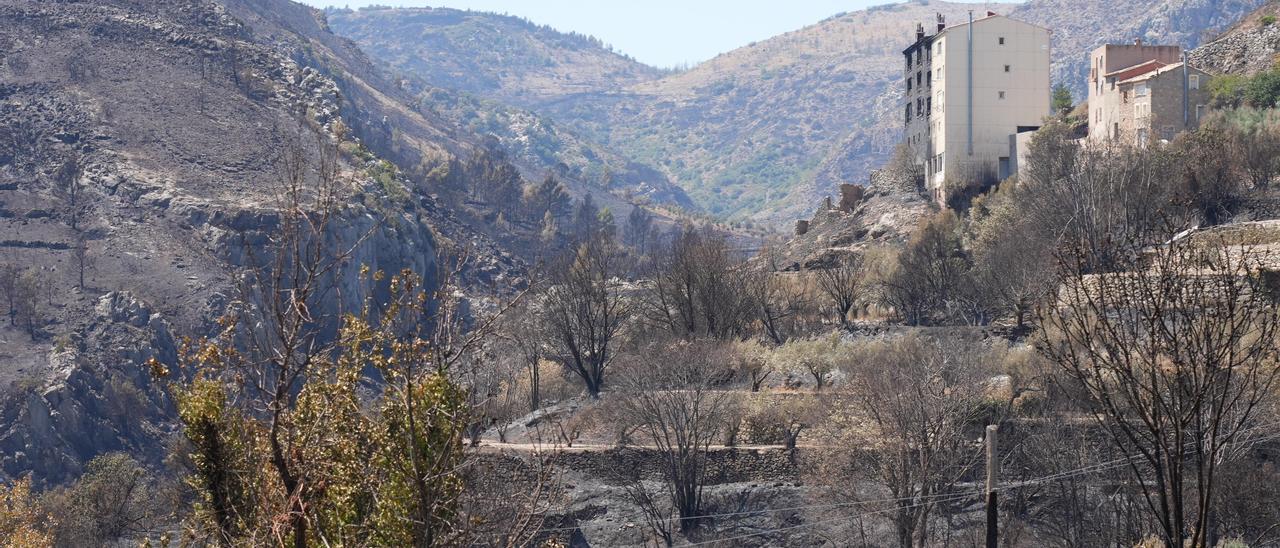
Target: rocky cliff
column 154, row 132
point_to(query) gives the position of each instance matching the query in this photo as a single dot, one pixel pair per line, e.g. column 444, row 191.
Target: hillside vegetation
column 761, row 132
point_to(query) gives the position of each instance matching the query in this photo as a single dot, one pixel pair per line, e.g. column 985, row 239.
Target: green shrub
column 1263, row 90
column 1267, row 20
column 1227, row 90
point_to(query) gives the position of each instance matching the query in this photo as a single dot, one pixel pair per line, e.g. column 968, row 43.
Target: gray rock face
column 177, row 111
column 1247, row 50
column 100, row 396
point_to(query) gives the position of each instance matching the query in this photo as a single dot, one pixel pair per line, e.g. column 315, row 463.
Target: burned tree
column 584, row 311
column 842, row 284
column 668, row 390
column 1175, row 353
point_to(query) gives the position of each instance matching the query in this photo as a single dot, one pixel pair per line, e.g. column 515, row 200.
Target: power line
column 1052, row 477
column 931, row 499
column 789, row 508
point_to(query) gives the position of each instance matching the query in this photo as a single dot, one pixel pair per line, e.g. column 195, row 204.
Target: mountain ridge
column 764, row 131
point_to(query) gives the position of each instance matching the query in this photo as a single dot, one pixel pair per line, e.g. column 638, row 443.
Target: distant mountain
column 765, row 130
column 490, row 90
column 173, row 121
column 1079, row 27
column 496, row 56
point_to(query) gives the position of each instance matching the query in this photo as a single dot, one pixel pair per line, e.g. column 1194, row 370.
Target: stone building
column 1139, row 92
column 969, row 88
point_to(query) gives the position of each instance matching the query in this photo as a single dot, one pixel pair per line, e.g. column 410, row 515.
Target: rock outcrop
column 886, row 212
column 176, row 115
column 1251, row 46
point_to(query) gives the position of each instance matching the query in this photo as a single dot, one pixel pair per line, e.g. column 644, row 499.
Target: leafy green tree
column 586, row 218
column 387, row 472
column 639, row 225
column 1227, row 90
column 549, row 196
column 1062, row 100
column 605, row 224
column 114, row 499
column 1263, row 90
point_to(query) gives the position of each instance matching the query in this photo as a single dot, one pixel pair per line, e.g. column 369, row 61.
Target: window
column 939, row 73
column 1001, row 94
column 908, row 85
column 939, row 47
column 1194, row 81
column 1199, row 112
column 1002, row 40
column 939, row 99
column 908, row 112
column 918, row 78
column 928, row 105
column 1140, row 90
column 1006, row 68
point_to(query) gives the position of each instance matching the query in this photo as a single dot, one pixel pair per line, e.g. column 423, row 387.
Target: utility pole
column 993, row 478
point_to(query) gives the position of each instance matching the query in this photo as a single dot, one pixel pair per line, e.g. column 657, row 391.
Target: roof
column 1162, row 70
column 989, row 16
column 1134, row 70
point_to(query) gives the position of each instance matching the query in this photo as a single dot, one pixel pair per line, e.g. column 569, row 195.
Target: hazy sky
column 659, row 32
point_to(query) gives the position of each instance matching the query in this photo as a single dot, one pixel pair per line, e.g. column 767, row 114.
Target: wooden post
column 993, row 479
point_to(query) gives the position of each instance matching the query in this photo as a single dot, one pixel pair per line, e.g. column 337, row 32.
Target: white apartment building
column 970, row 89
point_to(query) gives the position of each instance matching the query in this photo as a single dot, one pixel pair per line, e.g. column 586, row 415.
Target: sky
column 663, row 33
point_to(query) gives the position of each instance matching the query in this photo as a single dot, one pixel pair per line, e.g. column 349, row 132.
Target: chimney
column 1137, row 42
column 919, row 31
column 942, row 22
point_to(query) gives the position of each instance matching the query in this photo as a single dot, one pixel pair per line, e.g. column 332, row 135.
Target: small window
column 1002, row 40
column 939, row 73
column 1001, row 94
column 1006, row 68
column 1199, row 112
column 1140, row 90
column 908, row 84
column 1194, row 81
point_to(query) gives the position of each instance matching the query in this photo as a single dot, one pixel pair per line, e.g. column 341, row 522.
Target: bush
column 1263, row 90
column 114, row 499
column 1267, row 20
column 781, row 420
column 1227, row 90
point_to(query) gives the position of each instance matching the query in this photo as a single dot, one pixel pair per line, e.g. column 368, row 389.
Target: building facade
column 969, row 88
column 1139, row 93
